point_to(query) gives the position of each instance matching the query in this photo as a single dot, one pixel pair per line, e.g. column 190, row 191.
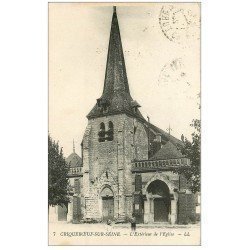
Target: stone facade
column 108, row 163
column 128, row 165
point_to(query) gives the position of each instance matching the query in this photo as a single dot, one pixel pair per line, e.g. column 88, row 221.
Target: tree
column 192, row 150
column 58, row 182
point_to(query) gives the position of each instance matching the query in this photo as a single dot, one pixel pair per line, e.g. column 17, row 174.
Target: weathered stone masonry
column 128, row 164
column 108, row 163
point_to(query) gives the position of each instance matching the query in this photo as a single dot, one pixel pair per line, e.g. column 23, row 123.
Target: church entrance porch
column 158, row 202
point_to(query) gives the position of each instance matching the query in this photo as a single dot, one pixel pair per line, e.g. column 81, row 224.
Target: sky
column 162, row 61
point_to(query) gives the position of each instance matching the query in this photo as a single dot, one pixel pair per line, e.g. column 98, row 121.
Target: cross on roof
column 169, row 129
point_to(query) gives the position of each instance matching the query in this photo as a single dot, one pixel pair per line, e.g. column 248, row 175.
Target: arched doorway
column 107, row 197
column 159, row 198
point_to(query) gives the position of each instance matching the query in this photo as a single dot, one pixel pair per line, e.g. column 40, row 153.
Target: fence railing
column 75, row 171
column 147, row 164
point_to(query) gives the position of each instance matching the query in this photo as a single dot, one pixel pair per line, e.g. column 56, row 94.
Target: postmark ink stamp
column 179, row 23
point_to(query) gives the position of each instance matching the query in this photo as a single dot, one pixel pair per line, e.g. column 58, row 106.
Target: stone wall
column 108, row 164
column 186, row 208
column 147, row 177
column 112, row 158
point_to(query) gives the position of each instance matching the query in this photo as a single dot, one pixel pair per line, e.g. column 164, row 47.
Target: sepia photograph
column 124, row 139
column 124, row 124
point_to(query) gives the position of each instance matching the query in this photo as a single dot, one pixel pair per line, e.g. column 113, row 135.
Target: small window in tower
column 99, row 102
column 110, row 132
column 101, row 133
column 105, row 107
column 135, row 109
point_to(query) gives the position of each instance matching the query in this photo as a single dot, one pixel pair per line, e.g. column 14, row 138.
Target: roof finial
column 169, row 129
column 114, row 9
column 182, row 137
column 73, row 146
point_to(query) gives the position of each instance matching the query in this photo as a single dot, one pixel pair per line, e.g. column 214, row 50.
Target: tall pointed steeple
column 116, row 96
column 116, row 76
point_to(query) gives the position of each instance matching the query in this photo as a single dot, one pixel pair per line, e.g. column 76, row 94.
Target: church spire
column 116, row 81
column 116, row 96
column 73, row 146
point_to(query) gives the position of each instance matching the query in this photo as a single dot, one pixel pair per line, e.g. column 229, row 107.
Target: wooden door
column 160, row 210
column 107, row 208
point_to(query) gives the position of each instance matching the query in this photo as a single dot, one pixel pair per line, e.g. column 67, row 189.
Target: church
column 127, row 165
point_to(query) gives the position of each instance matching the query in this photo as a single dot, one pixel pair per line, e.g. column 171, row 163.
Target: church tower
column 129, row 166
column 115, row 136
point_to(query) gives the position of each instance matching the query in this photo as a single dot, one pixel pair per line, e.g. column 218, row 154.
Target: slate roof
column 168, row 151
column 116, row 95
column 74, row 160
column 166, row 135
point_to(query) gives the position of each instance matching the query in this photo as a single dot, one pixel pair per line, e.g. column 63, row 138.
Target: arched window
column 111, row 126
column 101, row 133
column 110, row 132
